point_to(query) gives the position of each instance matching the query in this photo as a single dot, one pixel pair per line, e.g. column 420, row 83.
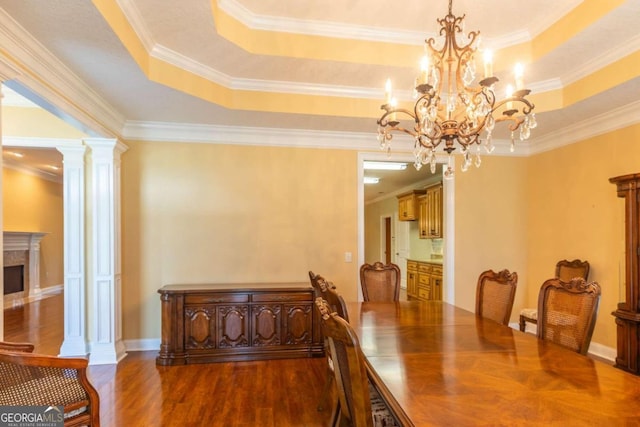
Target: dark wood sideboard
column 238, row 322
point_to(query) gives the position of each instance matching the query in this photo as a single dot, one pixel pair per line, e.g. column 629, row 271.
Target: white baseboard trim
column 10, row 302
column 603, row 352
column 146, row 344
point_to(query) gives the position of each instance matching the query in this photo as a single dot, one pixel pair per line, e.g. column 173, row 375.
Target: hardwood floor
column 136, row 392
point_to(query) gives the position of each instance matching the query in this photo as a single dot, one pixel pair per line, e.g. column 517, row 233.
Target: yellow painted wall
column 36, row 122
column 35, row 204
column 575, row 213
column 195, row 213
column 491, row 211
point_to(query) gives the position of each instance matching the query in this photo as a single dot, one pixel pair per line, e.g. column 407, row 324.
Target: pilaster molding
column 75, row 336
column 107, row 346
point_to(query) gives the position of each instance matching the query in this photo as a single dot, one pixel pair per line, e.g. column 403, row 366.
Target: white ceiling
column 115, row 97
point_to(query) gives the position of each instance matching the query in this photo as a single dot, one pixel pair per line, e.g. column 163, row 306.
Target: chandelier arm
column 384, row 120
column 400, row 129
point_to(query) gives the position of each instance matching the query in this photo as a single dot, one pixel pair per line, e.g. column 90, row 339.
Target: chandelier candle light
column 448, row 109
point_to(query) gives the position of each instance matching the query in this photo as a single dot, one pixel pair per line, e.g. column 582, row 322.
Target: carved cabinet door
column 233, row 326
column 298, row 323
column 266, row 324
column 200, row 327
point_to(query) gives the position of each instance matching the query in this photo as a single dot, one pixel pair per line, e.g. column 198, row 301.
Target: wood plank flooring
column 136, row 392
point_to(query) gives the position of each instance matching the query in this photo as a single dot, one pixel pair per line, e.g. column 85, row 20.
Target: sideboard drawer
column 215, row 298
column 275, row 297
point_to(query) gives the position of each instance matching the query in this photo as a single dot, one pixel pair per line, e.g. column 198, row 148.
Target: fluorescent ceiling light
column 386, row 166
column 371, row 180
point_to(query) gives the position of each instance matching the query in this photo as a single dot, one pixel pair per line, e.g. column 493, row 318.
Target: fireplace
column 21, row 261
column 13, row 279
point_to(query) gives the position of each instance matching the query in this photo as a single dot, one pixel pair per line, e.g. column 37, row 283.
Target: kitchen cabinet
column 408, row 205
column 412, row 278
column 424, row 280
column 430, row 213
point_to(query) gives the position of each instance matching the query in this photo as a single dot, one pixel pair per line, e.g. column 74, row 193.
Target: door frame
column 383, row 237
column 448, row 201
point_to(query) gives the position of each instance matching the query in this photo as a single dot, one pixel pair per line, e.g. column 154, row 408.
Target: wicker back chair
column 380, row 282
column 565, row 271
column 495, row 293
column 359, row 404
column 38, row 380
column 567, row 312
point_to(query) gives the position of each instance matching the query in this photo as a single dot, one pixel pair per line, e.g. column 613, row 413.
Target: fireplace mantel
column 21, row 240
column 23, row 248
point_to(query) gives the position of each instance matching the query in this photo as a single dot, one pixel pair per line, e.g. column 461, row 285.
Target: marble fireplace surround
column 23, row 248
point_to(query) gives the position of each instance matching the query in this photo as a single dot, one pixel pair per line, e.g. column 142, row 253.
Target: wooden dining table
column 439, row 365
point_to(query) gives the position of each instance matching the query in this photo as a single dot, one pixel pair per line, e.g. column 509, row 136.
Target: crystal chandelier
column 448, row 109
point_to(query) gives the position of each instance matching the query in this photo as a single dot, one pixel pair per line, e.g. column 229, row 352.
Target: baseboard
column 9, row 302
column 603, row 352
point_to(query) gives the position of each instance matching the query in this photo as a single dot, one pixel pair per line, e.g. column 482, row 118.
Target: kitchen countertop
column 429, row 260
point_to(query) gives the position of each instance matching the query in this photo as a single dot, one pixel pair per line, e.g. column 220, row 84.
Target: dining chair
column 567, row 312
column 359, row 403
column 327, row 291
column 495, row 293
column 380, row 282
column 565, row 270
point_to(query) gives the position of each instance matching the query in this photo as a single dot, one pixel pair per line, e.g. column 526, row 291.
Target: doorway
column 386, row 240
column 448, row 226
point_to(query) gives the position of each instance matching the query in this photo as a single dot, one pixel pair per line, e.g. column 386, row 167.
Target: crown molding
column 320, row 28
column 217, row 134
column 49, row 80
column 610, row 121
column 609, row 56
column 174, row 58
column 133, row 15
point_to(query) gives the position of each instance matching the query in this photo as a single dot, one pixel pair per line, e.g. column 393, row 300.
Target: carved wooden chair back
column 380, row 282
column 567, row 312
column 327, row 291
column 359, row 403
column 567, row 270
column 495, row 293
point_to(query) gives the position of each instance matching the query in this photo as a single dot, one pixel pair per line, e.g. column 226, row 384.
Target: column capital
column 106, row 143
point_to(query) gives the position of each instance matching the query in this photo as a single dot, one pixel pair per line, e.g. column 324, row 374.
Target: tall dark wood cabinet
column 628, row 313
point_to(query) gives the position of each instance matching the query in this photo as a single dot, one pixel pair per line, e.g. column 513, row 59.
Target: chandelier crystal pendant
column 448, row 110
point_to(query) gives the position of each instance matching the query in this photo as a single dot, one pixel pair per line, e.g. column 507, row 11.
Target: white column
column 34, row 264
column 105, row 275
column 75, row 337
